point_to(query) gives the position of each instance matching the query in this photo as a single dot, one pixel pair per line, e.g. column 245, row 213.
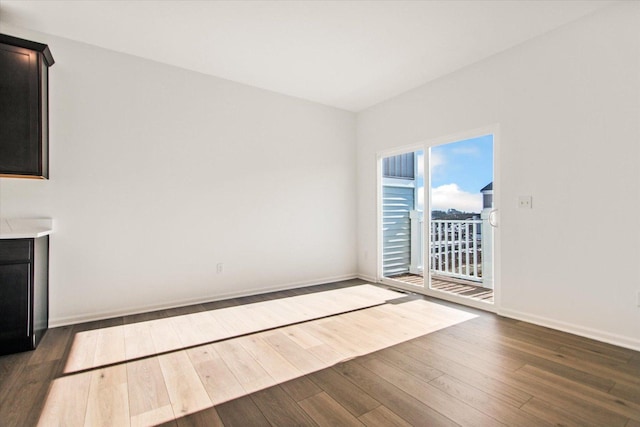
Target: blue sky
column 468, row 163
column 458, row 171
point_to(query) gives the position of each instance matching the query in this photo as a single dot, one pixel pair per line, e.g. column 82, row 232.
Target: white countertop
column 25, row 228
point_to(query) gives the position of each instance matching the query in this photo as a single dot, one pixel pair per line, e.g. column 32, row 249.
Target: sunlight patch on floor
column 159, row 388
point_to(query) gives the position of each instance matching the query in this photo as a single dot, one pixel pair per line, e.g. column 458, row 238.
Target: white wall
column 568, row 107
column 157, row 174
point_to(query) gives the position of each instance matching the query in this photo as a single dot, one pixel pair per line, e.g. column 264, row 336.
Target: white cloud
column 450, row 196
column 436, row 159
column 467, row 151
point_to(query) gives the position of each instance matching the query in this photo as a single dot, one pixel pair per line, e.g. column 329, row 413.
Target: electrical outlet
column 219, row 268
column 638, row 299
column 366, row 255
column 525, row 202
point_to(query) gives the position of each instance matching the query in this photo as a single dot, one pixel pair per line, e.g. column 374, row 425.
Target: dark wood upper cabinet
column 24, row 108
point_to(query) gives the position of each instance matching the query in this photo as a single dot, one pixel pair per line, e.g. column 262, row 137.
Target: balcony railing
column 456, row 249
column 459, row 249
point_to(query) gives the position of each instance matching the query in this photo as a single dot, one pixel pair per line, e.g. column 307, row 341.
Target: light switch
column 524, row 202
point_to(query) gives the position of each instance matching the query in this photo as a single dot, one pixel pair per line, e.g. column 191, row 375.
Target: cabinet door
column 14, row 301
column 19, row 111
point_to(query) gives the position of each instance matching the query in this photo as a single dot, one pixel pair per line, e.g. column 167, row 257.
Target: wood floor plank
column 300, row 388
column 398, row 401
column 347, row 394
column 297, row 309
column 202, row 353
column 269, row 315
column 551, row 360
column 241, row 412
column 66, row 403
column 108, row 403
column 98, row 324
column 366, row 336
column 521, row 350
column 328, row 354
column 250, row 374
column 206, row 418
column 280, row 409
column 11, row 369
column 492, row 385
column 452, row 344
column 565, row 339
column 592, row 396
column 389, row 318
column 278, row 368
column 606, row 374
column 486, row 403
column 208, row 327
column 557, row 416
column 52, row 347
column 110, row 346
column 533, row 388
column 153, row 417
column 82, row 352
column 446, row 404
column 627, row 391
column 488, row 367
column 325, row 411
column 570, row 402
column 144, row 317
column 300, row 335
column 449, row 316
column 164, row 335
column 218, row 380
column 188, row 332
column 23, row 404
column 138, row 341
column 382, row 417
column 149, row 401
column 236, row 320
column 340, row 344
column 292, row 352
column 186, row 392
column 182, row 311
column 412, row 366
column 589, row 354
column 198, row 328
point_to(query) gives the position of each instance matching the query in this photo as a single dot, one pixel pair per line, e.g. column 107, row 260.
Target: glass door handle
column 493, row 218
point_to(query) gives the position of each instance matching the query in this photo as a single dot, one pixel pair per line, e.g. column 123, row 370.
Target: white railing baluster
column 457, row 247
column 447, row 231
column 475, row 250
column 466, row 248
column 439, row 246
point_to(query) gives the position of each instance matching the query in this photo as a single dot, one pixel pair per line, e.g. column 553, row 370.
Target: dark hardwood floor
column 485, row 371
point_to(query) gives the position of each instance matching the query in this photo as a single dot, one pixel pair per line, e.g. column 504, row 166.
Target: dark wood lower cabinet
column 24, row 293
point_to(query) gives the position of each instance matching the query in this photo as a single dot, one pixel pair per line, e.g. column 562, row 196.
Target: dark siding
column 401, row 166
column 487, row 200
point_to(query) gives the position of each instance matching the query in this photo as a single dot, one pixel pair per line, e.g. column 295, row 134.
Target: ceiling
column 346, row 54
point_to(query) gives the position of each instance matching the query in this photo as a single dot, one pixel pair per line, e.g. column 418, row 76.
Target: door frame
column 494, row 130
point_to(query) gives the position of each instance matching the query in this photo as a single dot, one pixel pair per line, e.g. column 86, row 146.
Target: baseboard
column 91, row 317
column 595, row 334
column 367, row 278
